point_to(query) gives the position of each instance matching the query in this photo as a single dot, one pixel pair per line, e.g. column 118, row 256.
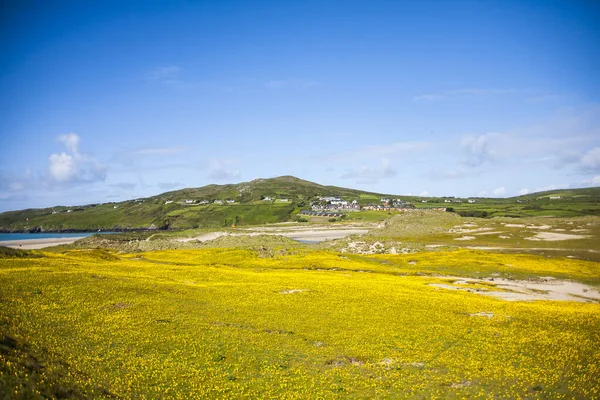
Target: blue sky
column 111, row 100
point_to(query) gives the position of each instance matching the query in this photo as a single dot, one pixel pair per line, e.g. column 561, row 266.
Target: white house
column 267, row 198
column 471, row 201
column 229, row 201
column 189, row 201
column 218, row 202
column 284, row 200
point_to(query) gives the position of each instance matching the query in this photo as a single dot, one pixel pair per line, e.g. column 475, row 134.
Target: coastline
column 35, row 244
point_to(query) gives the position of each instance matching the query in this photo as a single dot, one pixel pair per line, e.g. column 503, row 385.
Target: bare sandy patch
column 543, row 227
column 204, row 237
column 514, row 225
column 553, row 236
column 315, row 234
column 546, row 288
column 488, row 233
column 483, row 314
column 465, row 238
column 292, row 291
column 459, row 229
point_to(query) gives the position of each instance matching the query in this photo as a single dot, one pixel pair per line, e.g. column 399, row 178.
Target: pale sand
column 313, row 234
column 552, row 236
column 34, row 244
column 546, row 288
column 465, row 238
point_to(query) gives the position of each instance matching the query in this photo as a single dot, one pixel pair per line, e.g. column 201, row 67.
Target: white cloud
column 367, row 174
column 477, row 148
column 62, row 167
column 591, row 160
column 73, row 166
column 594, row 181
column 71, row 141
column 223, row 170
column 499, row 191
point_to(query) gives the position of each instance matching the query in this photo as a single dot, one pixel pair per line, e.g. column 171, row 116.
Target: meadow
column 290, row 323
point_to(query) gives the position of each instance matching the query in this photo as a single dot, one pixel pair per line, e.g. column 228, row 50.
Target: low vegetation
column 231, row 323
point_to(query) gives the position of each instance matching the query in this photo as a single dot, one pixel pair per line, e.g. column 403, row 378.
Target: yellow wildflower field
column 227, row 323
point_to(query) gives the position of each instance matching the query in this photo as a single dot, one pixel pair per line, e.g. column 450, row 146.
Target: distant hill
column 256, row 202
column 268, row 201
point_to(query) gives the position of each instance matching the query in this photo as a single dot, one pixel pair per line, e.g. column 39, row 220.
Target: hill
column 256, row 202
column 269, row 201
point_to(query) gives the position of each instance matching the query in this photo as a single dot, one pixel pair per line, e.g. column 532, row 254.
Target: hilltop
column 270, row 201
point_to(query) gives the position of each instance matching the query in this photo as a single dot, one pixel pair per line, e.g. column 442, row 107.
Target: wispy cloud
column 544, row 98
column 169, row 185
column 371, row 174
column 461, row 94
column 123, row 185
column 591, row 160
column 477, row 149
column 376, row 151
column 164, row 73
column 499, row 191
column 223, row 170
column 296, row 84
column 594, row 181
column 443, row 174
column 159, row 151
column 171, row 76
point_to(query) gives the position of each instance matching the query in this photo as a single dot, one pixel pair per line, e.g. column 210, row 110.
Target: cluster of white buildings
column 334, row 203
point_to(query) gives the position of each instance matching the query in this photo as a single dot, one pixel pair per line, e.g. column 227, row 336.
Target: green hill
column 256, row 202
column 268, row 201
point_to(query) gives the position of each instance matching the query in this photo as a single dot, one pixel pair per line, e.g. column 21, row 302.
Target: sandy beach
column 33, row 244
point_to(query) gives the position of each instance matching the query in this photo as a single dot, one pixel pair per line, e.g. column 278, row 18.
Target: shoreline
column 35, row 244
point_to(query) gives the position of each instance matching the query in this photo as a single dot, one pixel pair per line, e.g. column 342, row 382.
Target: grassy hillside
column 171, row 211
column 556, row 203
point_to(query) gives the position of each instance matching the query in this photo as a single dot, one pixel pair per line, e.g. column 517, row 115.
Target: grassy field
column 235, row 323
